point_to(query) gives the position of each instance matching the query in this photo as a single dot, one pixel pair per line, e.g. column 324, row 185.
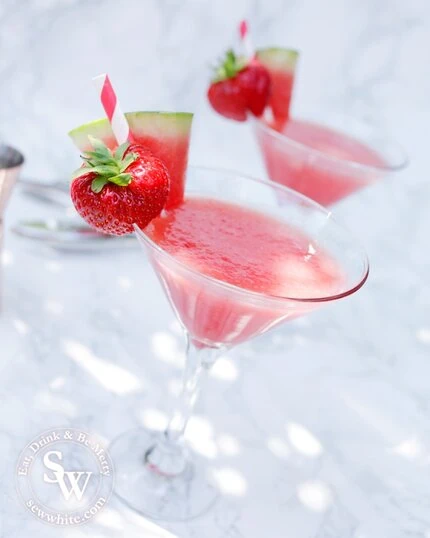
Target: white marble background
column 320, row 430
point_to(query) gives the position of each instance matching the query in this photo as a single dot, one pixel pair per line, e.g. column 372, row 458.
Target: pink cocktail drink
column 321, row 162
column 234, row 262
column 324, row 161
column 240, row 248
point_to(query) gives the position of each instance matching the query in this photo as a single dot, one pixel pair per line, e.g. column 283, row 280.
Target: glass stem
column 168, row 456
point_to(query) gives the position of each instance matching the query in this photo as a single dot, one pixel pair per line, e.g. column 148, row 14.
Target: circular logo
column 64, row 477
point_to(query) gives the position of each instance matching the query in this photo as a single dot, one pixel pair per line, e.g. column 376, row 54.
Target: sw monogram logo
column 64, row 477
column 70, row 482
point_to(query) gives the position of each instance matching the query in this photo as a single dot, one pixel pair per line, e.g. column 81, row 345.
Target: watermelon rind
column 148, row 123
column 278, row 58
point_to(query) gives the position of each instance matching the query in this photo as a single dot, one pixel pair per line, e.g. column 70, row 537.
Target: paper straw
column 116, row 117
column 246, row 39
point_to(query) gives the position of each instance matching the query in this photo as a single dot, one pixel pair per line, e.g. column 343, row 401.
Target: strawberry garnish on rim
column 113, row 191
column 240, row 86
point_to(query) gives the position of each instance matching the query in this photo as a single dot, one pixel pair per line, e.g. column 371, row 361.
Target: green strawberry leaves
column 125, row 163
column 229, row 66
column 120, row 150
column 108, row 167
column 97, row 184
column 122, row 180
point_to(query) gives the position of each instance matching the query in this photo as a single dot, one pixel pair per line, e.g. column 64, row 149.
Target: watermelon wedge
column 281, row 64
column 166, row 134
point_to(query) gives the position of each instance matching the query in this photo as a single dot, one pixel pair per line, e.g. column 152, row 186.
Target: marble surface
column 320, row 429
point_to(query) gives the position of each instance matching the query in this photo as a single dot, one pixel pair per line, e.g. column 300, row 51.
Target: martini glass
column 327, row 157
column 156, row 475
column 11, row 161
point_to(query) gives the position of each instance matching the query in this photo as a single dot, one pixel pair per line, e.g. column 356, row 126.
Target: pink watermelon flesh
column 281, row 64
column 166, row 134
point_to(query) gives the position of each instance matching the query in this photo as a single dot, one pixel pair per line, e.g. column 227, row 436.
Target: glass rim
column 278, row 299
column 403, row 161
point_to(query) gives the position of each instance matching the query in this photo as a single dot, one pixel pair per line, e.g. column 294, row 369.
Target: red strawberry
column 111, row 192
column 239, row 87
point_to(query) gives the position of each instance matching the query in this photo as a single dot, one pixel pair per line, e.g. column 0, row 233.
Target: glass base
column 175, row 498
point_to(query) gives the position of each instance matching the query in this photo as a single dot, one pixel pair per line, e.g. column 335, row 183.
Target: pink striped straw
column 116, row 117
column 246, row 39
